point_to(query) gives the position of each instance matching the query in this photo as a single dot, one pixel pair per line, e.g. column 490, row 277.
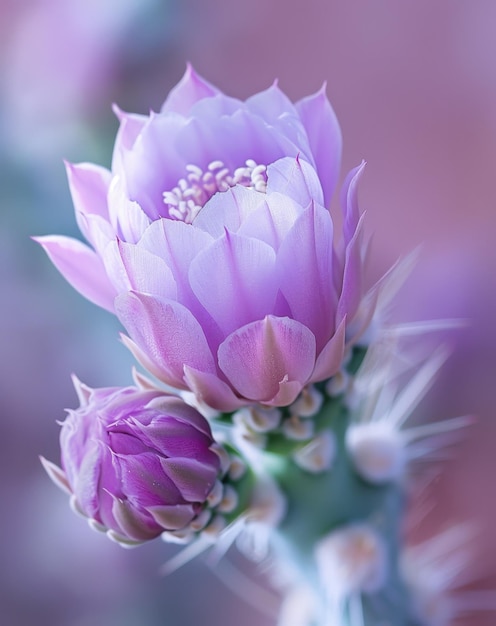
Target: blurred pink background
column 414, row 87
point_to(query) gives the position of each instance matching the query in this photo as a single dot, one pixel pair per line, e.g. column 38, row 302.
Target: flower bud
column 137, row 462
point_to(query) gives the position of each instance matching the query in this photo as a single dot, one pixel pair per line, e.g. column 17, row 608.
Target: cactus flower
column 212, row 241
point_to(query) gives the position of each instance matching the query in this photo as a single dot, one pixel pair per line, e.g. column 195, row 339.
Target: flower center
column 185, row 200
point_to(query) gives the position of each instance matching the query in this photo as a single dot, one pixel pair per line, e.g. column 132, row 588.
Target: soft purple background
column 414, row 87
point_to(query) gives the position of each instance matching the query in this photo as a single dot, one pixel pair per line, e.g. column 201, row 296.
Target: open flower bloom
column 213, row 244
column 135, row 462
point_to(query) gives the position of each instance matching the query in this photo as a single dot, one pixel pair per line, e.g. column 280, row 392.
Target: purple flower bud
column 136, row 462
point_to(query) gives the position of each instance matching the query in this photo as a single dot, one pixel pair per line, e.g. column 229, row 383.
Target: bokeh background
column 414, row 87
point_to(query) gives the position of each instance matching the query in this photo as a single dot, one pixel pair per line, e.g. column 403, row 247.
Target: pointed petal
column 81, row 267
column 245, row 285
column 265, row 353
column 193, row 479
column 132, row 268
column 331, row 358
column 133, row 525
column 189, row 90
column 143, row 358
column 272, row 220
column 130, row 127
column 349, row 202
column 167, row 333
column 305, row 267
column 85, row 480
column 228, row 210
column 89, row 186
column 57, row 475
column 325, row 138
column 127, row 217
column 97, row 230
column 177, row 244
column 83, row 391
column 296, row 179
column 143, row 382
column 172, row 517
column 351, row 291
column 212, row 391
column 287, row 394
column 271, row 104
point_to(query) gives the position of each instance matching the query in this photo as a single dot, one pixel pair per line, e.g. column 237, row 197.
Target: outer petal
column 57, row 475
column 183, row 415
column 193, row 479
column 331, row 358
column 127, row 217
column 189, row 90
column 97, row 230
column 288, row 392
column 177, row 244
column 130, row 127
column 351, row 291
column 131, row 124
column 133, row 268
column 142, row 476
column 296, row 179
column 235, row 280
column 85, row 479
column 261, row 356
column 305, row 267
column 81, row 267
column 325, row 138
column 89, row 187
column 208, row 388
column 167, row 333
column 172, row 517
column 174, row 439
column 349, row 202
column 132, row 522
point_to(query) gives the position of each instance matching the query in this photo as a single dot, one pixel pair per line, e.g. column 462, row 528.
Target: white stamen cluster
column 187, row 198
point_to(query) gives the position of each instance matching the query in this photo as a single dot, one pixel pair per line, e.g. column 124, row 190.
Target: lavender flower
column 213, row 245
column 136, row 462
